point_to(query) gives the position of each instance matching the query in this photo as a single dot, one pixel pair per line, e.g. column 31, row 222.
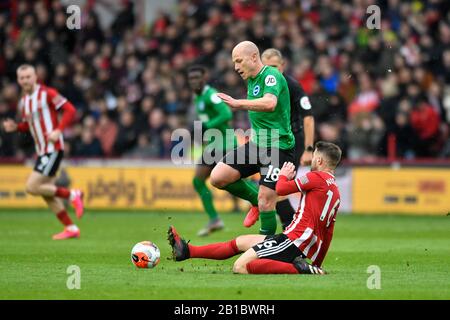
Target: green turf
column 413, row 254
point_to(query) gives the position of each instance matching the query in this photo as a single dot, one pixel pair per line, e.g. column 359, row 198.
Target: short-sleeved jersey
column 270, row 80
column 300, row 104
column 39, row 110
column 312, row 228
column 215, row 114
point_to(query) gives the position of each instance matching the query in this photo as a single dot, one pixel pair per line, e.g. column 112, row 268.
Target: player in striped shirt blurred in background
column 39, row 108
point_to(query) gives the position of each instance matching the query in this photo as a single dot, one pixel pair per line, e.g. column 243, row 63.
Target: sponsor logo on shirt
column 270, row 80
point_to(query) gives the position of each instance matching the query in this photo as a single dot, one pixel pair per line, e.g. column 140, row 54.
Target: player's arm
column 60, row 103
column 305, row 112
column 265, row 104
column 68, row 115
column 285, row 185
column 224, row 113
column 271, row 91
column 308, row 128
column 9, row 125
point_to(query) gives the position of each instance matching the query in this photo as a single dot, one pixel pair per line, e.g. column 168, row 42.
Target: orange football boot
column 252, row 217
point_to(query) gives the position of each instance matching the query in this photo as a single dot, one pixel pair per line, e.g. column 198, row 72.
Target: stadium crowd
column 372, row 90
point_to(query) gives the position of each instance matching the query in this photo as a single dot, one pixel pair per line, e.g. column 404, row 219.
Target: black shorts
column 249, row 159
column 278, row 247
column 48, row 164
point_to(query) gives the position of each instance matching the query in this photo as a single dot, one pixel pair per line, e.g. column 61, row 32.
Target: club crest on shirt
column 304, row 179
column 256, row 90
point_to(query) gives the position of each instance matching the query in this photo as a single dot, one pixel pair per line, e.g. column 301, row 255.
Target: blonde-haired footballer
column 39, row 108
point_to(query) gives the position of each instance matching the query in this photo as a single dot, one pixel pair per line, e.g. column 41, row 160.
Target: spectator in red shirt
column 244, row 9
column 367, row 99
column 425, row 122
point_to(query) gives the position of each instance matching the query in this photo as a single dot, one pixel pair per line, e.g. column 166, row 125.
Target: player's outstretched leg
column 248, row 191
column 227, row 178
column 180, row 249
column 269, row 266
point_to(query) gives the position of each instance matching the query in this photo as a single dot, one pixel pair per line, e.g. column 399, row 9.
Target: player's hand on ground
column 229, row 100
column 306, row 158
column 288, row 170
column 54, row 136
column 9, row 125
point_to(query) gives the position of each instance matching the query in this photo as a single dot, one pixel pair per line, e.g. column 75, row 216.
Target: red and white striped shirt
column 39, row 111
column 311, row 229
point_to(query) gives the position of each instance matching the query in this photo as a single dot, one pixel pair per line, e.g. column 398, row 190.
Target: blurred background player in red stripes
column 38, row 110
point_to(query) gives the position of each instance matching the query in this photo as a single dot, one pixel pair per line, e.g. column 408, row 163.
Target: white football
column 145, row 254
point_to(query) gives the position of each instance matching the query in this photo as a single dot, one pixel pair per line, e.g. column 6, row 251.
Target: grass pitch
column 412, row 252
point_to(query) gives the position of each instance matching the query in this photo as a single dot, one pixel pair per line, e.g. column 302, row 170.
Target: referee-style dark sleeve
column 297, row 94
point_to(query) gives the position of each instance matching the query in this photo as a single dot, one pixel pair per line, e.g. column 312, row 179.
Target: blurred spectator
column 143, row 149
column 329, row 78
column 157, row 125
column 366, row 87
column 405, row 136
column 106, row 131
column 366, row 100
column 127, row 134
column 365, row 133
column 305, row 75
column 124, row 20
column 244, row 9
column 425, row 122
column 81, row 140
column 88, row 146
column 6, row 139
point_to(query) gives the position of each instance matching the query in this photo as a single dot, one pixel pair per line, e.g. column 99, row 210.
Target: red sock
column 62, row 193
column 64, row 218
column 217, row 251
column 266, row 266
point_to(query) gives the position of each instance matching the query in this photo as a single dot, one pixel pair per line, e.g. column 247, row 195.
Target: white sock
column 72, row 227
column 73, row 193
